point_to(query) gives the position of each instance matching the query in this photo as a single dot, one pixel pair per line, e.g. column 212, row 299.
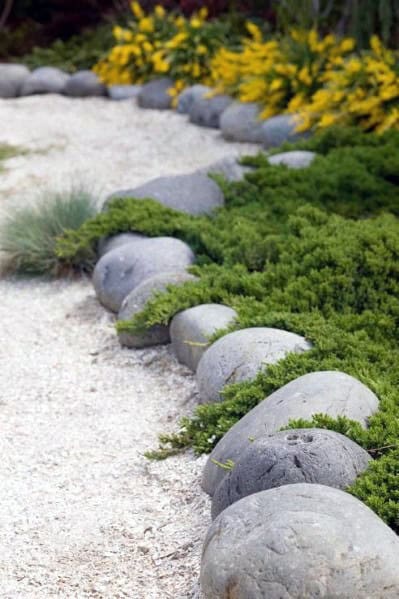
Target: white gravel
column 83, row 513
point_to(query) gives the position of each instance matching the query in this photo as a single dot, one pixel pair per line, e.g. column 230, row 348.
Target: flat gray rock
column 241, row 122
column 84, row 84
column 327, row 392
column 187, row 97
column 229, row 168
column 194, row 193
column 239, row 356
column 206, row 112
column 119, row 271
column 191, row 329
column 155, row 95
column 106, row 244
column 278, row 129
column 300, row 541
column 294, row 159
column 45, row 80
column 12, row 77
column 135, row 303
column 312, row 455
column 124, row 92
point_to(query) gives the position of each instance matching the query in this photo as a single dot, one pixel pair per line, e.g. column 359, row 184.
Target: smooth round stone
column 191, row 329
column 107, row 244
column 135, row 303
column 84, row 84
column 300, row 541
column 124, row 92
column 296, row 159
column 278, row 129
column 154, row 95
column 241, row 122
column 189, row 95
column 229, row 168
column 327, row 392
column 312, row 455
column 119, row 271
column 194, row 193
column 239, row 356
column 206, row 112
column 12, row 77
column 45, row 80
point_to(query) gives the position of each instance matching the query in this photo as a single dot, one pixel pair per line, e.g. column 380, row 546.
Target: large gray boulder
column 300, row 541
column 288, row 457
column 155, row 94
column 45, row 80
column 241, row 122
column 83, row 84
column 206, row 112
column 12, row 77
column 228, row 167
column 191, row 329
column 106, row 244
column 189, row 95
column 328, row 392
column 295, row 159
column 239, row 356
column 278, row 129
column 124, row 92
column 194, row 193
column 135, row 303
column 118, row 272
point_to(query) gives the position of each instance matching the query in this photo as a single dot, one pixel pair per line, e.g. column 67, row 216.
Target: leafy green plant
column 8, row 151
column 28, row 235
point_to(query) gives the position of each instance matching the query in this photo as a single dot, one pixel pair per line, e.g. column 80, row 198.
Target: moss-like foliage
column 314, row 251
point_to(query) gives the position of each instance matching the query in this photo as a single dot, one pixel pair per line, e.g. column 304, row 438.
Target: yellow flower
column 202, row 50
column 146, row 24
column 137, row 10
column 254, row 31
column 159, row 11
column 195, row 22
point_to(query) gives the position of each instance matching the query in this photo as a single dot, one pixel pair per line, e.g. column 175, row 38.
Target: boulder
column 136, row 301
column 45, row 80
column 300, row 541
column 239, row 356
column 194, row 194
column 295, row 159
column 278, row 129
column 316, row 456
column 191, row 329
column 206, row 112
column 155, row 94
column 12, row 77
column 241, row 122
column 187, row 97
column 83, row 84
column 119, row 271
column 229, row 168
column 124, row 92
column 106, row 244
column 327, row 392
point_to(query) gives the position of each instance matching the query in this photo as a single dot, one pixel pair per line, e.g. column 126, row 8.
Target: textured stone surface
column 124, row 92
column 293, row 456
column 206, row 112
column 106, row 244
column 327, row 392
column 187, row 97
column 279, row 129
column 155, row 94
column 118, row 272
column 194, row 193
column 191, row 329
column 295, row 159
column 137, row 299
column 300, row 541
column 240, row 122
column 45, row 80
column 229, row 167
column 12, row 76
column 240, row 355
column 84, row 84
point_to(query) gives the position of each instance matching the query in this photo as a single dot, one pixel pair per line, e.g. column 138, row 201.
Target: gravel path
column 83, row 513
